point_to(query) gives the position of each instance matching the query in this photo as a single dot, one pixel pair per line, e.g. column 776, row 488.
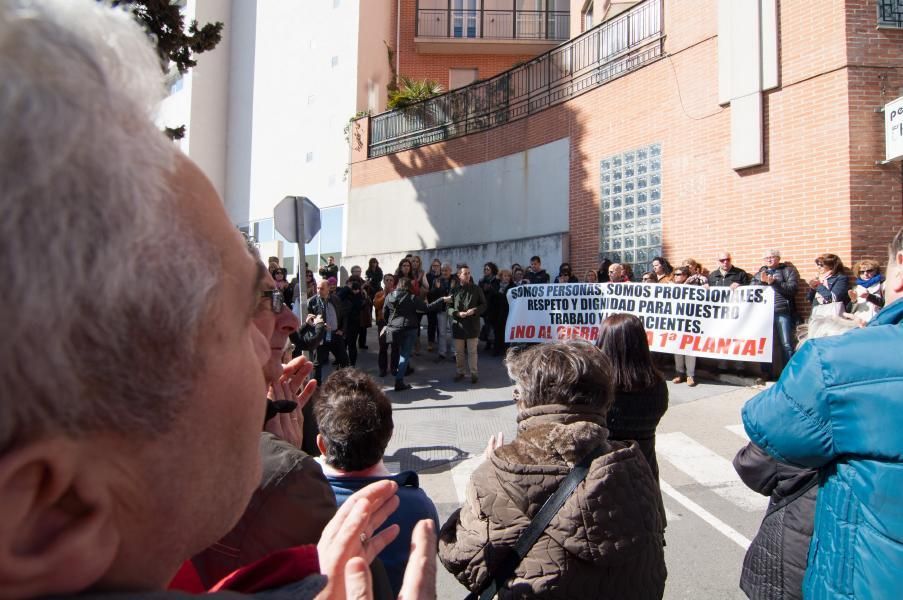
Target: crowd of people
column 159, row 439
column 453, row 332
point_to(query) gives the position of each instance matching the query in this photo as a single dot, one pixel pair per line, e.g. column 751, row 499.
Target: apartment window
column 632, row 206
column 461, row 77
column 890, row 14
column 311, row 99
column 336, row 3
column 309, row 157
column 588, row 16
column 335, row 61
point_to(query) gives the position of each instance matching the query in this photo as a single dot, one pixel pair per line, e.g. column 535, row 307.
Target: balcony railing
column 606, row 52
column 493, row 24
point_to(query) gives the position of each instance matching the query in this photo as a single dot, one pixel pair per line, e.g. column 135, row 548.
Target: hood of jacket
column 612, row 513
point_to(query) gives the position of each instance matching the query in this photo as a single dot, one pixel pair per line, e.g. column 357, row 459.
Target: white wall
column 517, row 196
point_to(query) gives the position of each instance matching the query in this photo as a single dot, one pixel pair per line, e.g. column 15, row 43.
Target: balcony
column 490, row 26
column 610, row 50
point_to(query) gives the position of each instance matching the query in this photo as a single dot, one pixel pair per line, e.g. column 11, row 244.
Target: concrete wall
column 209, row 87
column 511, row 197
column 552, row 249
column 242, row 32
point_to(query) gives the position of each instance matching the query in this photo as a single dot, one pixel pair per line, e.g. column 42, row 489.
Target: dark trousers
column 362, row 337
column 382, row 359
column 782, row 343
column 351, row 346
column 498, row 327
column 432, row 326
column 337, row 347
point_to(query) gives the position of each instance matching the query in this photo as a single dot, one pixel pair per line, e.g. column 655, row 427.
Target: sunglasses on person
column 819, row 263
column 276, row 299
column 866, row 271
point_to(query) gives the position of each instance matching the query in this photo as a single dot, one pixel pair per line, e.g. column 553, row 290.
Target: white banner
column 712, row 322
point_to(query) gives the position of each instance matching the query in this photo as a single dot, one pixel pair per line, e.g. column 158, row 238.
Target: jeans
column 782, row 339
column 685, row 364
column 405, row 340
column 443, row 333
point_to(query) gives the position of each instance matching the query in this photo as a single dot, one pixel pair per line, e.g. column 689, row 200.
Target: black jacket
column 775, row 563
column 635, row 415
column 786, row 280
column 734, row 275
column 315, row 307
column 401, row 310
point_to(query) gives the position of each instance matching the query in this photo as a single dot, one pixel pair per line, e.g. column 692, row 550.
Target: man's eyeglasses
column 275, row 296
column 724, row 260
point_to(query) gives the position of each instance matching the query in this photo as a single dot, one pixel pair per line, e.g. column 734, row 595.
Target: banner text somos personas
column 715, row 322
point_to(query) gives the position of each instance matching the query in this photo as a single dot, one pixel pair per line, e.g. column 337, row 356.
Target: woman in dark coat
column 641, row 396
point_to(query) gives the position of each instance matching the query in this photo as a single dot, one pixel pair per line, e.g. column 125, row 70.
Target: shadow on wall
column 492, row 205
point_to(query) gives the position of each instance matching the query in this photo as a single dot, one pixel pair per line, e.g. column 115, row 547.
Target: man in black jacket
column 328, row 306
column 728, row 275
column 401, row 314
column 784, row 279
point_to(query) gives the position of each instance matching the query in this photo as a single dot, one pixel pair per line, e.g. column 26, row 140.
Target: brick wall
column 819, row 189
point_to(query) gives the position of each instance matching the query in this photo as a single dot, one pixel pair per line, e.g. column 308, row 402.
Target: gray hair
column 103, row 291
column 568, row 372
column 773, row 252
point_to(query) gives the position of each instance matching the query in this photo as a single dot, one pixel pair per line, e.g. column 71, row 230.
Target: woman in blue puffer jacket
column 838, row 408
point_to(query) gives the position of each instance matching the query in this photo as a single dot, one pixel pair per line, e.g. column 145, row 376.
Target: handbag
column 831, row 309
column 537, row 525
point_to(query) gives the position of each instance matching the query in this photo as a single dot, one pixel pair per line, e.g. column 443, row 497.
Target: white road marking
column 709, row 469
column 738, row 430
column 706, row 516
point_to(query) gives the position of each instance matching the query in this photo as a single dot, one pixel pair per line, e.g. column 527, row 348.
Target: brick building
column 674, row 127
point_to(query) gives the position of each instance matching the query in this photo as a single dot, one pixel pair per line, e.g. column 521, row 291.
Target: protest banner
column 715, row 322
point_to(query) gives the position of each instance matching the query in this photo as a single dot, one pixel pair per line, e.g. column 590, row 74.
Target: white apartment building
column 265, row 110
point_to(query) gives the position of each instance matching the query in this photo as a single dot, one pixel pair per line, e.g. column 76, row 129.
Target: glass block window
column 632, row 207
column 890, row 13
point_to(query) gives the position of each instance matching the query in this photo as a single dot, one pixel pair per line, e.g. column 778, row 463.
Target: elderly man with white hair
column 784, row 279
column 132, row 404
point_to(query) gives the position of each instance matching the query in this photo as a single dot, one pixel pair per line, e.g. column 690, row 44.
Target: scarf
column 867, row 283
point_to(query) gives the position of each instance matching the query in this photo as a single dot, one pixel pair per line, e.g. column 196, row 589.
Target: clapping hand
column 291, row 386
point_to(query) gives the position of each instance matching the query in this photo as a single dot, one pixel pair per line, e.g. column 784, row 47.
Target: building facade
column 672, row 128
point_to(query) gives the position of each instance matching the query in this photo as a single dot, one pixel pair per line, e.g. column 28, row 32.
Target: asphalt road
column 441, row 429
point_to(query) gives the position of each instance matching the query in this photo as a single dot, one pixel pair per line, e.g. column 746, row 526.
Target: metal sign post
column 297, row 219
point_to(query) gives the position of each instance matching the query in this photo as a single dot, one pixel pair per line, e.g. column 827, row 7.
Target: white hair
column 773, row 252
column 103, row 289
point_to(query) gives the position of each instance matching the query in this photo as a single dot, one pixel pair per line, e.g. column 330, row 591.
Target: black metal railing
column 493, row 24
column 890, row 13
column 609, row 50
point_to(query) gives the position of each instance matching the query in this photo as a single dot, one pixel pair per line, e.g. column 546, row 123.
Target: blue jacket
column 838, row 407
column 414, row 506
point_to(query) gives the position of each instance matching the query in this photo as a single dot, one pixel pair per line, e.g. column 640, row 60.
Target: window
column 588, row 16
column 632, row 206
column 311, row 99
column 336, row 3
column 890, row 14
column 335, row 61
column 461, row 77
column 309, row 157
